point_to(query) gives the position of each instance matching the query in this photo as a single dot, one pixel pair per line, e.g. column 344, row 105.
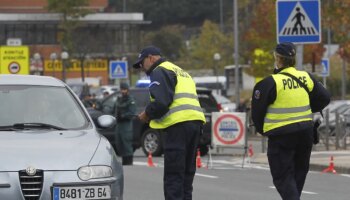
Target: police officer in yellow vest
column 175, row 109
column 281, row 111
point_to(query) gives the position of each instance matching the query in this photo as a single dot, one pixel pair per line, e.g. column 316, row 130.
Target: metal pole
column 124, row 5
column 300, row 49
column 329, row 53
column 343, row 81
column 82, row 69
column 64, row 62
column 221, row 17
column 235, row 30
column 53, row 68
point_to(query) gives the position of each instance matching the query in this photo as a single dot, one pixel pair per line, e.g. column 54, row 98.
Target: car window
column 207, row 102
column 40, row 104
column 221, row 99
column 108, row 104
column 141, row 97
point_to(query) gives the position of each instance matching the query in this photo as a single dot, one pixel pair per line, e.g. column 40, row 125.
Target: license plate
column 82, row 193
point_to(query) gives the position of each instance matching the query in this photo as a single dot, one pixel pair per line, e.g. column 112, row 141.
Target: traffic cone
column 331, row 167
column 150, row 160
column 250, row 151
column 198, row 159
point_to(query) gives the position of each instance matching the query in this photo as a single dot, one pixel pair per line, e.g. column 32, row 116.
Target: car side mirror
column 106, row 121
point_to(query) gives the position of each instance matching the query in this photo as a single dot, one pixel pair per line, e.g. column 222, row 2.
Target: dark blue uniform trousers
column 180, row 142
column 289, row 158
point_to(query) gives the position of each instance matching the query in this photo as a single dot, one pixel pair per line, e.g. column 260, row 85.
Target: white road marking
column 206, row 176
column 304, row 192
column 345, row 175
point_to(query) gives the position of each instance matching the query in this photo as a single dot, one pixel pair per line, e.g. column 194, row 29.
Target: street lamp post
column 53, row 57
column 217, row 58
column 87, row 64
column 64, row 57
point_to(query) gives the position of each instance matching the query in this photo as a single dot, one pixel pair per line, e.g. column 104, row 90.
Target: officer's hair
column 286, row 61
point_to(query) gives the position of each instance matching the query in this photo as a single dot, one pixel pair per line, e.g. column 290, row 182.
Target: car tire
column 151, row 142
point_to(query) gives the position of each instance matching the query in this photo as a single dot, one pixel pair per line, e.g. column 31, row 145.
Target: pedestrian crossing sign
column 118, row 69
column 325, row 67
column 298, row 21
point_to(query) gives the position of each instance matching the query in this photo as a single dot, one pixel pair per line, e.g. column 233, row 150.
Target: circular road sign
column 14, row 68
column 228, row 129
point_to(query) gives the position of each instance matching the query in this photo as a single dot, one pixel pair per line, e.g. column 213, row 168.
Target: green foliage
column 169, row 12
column 168, row 39
column 71, row 11
column 199, row 54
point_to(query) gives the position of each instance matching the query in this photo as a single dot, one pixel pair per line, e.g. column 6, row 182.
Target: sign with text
column 14, row 60
column 74, row 65
column 228, row 128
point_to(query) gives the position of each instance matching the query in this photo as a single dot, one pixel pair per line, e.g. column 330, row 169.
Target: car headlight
column 91, row 172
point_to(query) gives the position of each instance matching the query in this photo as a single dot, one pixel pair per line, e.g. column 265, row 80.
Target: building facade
column 101, row 36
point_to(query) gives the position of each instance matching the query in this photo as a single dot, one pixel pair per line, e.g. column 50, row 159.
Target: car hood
column 47, row 150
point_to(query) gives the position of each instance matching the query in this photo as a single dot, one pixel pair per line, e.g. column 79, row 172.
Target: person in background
column 105, row 94
column 88, row 101
column 281, row 110
column 175, row 109
column 242, row 106
column 125, row 112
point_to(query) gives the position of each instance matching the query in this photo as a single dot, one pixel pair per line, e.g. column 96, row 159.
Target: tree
column 168, row 39
column 261, row 36
column 71, row 12
column 199, row 54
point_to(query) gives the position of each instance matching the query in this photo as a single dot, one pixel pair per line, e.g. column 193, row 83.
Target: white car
column 49, row 146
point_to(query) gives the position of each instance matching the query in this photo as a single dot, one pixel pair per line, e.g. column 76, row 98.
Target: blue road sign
column 325, row 67
column 118, row 69
column 298, row 21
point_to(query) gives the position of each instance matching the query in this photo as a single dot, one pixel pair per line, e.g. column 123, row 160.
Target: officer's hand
column 143, row 117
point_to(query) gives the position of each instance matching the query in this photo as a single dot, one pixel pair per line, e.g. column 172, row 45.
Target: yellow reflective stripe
column 179, row 108
column 185, row 95
column 288, row 110
column 267, row 120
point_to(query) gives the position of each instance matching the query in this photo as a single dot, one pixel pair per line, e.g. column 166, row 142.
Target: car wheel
column 151, row 142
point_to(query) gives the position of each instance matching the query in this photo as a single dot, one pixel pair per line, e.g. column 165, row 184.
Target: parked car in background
column 110, row 88
column 150, row 139
column 224, row 104
column 80, row 89
column 49, row 146
column 337, row 107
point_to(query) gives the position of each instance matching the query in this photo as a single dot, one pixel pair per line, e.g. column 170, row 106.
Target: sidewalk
column 319, row 161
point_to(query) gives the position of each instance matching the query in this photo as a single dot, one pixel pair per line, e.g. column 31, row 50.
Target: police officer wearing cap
column 125, row 112
column 175, row 109
column 281, row 111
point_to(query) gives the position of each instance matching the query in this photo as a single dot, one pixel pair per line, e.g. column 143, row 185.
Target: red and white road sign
column 228, row 129
column 14, row 67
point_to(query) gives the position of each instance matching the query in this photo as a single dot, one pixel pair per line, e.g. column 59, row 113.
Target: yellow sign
column 75, row 65
column 14, row 60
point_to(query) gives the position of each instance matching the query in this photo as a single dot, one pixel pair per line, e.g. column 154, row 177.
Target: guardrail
column 334, row 131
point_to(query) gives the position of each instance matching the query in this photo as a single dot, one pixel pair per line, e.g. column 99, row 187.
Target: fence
column 334, row 131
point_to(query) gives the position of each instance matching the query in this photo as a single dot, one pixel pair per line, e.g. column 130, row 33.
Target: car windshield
column 40, row 104
column 221, row 99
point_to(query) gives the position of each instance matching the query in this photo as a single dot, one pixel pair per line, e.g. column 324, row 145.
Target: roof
column 8, row 79
column 110, row 18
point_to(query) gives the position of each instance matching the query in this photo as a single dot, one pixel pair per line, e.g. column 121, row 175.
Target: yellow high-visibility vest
column 292, row 102
column 185, row 105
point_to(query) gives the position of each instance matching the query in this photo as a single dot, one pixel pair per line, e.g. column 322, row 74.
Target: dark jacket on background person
column 125, row 111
